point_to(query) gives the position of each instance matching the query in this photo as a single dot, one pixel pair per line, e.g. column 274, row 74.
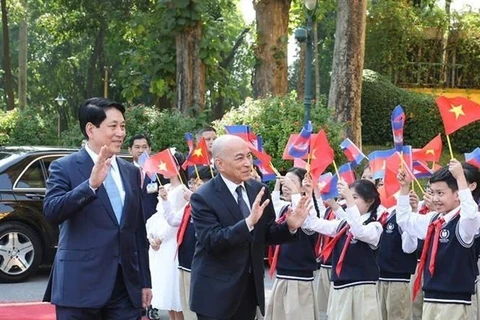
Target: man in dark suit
column 101, row 266
column 233, row 219
column 137, row 145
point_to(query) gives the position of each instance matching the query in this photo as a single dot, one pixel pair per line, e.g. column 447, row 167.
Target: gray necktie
column 241, row 203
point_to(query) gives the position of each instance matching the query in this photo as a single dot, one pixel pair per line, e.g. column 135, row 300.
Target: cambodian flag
column 421, row 169
column 398, row 121
column 346, row 173
column 377, row 160
column 353, row 153
column 189, row 139
column 267, row 172
column 244, row 132
column 330, row 190
column 473, row 157
column 300, row 146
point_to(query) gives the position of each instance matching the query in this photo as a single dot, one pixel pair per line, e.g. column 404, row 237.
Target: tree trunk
column 22, row 58
column 94, row 69
column 348, row 54
column 8, row 79
column 190, row 71
column 271, row 67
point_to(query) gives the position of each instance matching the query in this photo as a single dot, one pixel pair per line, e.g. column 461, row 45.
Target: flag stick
column 180, row 177
column 275, row 170
column 433, row 165
column 414, row 178
column 336, row 168
column 196, row 172
column 413, row 186
column 159, row 182
column 449, row 146
column 308, row 163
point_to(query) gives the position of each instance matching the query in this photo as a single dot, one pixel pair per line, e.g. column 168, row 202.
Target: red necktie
column 434, row 226
column 273, row 251
column 339, row 267
column 383, row 218
column 183, row 224
column 424, row 210
column 327, row 250
column 323, row 239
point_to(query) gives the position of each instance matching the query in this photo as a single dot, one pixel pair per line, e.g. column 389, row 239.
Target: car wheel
column 20, row 252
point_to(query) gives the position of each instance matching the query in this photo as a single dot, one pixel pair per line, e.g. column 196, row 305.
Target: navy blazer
column 92, row 244
column 226, row 251
column 150, row 200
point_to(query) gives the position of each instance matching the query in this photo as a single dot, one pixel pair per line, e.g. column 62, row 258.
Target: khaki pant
column 395, row 300
column 322, row 288
column 291, row 299
column 417, row 305
column 445, row 311
column 355, row 303
column 185, row 295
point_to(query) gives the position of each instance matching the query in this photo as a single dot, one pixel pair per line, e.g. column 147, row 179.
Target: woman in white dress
column 163, row 249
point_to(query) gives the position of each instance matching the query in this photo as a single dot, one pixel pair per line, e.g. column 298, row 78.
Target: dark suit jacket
column 150, row 200
column 226, row 250
column 92, row 244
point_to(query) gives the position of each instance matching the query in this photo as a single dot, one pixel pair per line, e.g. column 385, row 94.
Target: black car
column 27, row 240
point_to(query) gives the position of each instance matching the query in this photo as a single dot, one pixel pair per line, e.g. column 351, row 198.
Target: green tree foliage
column 275, row 118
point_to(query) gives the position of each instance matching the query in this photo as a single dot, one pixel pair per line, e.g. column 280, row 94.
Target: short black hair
column 139, row 136
column 204, row 173
column 368, row 192
column 93, row 110
column 204, row 129
column 471, row 175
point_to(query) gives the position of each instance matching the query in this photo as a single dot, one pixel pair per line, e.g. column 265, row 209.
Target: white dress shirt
column 115, row 171
column 417, row 224
column 369, row 233
column 232, row 187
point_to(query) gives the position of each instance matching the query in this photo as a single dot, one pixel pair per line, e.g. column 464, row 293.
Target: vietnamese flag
column 392, row 165
column 321, row 154
column 431, row 152
column 457, row 112
column 162, row 163
column 387, row 202
column 198, row 156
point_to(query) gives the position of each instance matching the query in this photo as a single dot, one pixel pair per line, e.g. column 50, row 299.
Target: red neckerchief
column 323, row 240
column 433, row 229
column 383, row 218
column 183, row 225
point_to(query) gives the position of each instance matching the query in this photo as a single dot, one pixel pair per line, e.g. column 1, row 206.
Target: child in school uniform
column 323, row 285
column 186, row 234
column 292, row 295
column 449, row 257
column 397, row 260
column 354, row 267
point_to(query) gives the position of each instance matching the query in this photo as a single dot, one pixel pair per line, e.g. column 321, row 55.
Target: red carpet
column 27, row 311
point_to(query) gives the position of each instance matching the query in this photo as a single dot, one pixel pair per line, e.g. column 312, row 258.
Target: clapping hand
column 257, row 208
column 162, row 193
column 100, row 168
column 296, row 217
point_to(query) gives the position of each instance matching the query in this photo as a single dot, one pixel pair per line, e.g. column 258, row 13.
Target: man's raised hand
column 296, row 217
column 257, row 209
column 100, row 168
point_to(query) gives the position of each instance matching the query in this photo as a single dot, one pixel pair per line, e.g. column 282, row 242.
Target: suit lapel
column 226, row 198
column 85, row 168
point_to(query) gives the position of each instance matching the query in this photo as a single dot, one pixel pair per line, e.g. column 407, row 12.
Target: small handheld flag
column 353, row 153
column 300, row 146
column 473, row 157
column 398, row 121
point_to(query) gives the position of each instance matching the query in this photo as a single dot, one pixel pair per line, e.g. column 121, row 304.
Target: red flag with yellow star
column 162, row 163
column 457, row 112
column 321, row 155
column 198, row 156
column 431, row 152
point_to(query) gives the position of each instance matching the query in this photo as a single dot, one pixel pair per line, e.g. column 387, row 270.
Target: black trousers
column 119, row 307
column 248, row 304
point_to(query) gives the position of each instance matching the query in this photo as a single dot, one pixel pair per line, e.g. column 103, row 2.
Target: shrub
column 423, row 121
column 275, row 118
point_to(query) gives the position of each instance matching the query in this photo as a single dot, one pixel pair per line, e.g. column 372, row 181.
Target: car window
column 32, row 177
